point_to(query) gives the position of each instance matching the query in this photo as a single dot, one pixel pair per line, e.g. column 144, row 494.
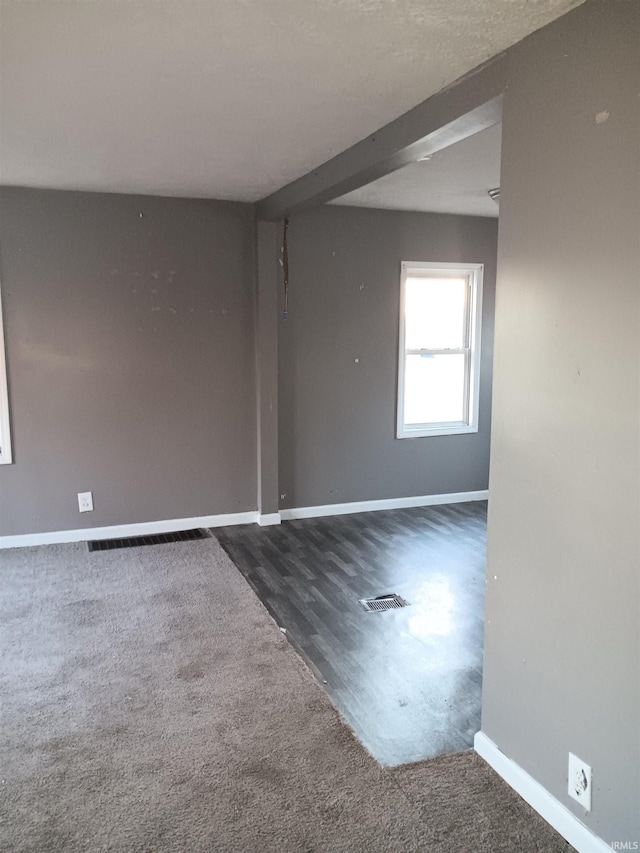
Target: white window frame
column 5, row 431
column 474, row 275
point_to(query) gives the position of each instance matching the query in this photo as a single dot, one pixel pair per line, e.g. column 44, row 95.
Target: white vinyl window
column 5, row 437
column 439, row 359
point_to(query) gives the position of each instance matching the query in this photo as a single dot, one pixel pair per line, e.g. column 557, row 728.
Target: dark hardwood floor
column 408, row 681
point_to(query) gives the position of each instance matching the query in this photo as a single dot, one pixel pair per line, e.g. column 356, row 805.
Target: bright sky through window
column 439, row 349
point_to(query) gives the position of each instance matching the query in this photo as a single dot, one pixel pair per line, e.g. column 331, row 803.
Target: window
column 5, row 438
column 439, row 362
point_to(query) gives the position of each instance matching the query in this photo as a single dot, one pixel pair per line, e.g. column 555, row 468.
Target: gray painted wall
column 336, row 416
column 131, row 359
column 562, row 667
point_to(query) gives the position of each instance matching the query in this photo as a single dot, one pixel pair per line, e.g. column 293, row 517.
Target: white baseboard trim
column 388, row 503
column 121, row 530
column 558, row 816
column 263, row 519
column 269, row 518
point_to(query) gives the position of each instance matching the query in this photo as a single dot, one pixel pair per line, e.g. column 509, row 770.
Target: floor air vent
column 152, row 539
column 383, row 602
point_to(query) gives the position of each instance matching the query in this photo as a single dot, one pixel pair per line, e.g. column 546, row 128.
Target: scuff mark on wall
column 44, row 357
column 603, row 116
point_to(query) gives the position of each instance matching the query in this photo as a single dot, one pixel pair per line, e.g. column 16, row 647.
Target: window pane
column 434, row 388
column 435, row 313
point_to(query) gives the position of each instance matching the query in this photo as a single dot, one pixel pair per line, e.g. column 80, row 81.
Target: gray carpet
column 150, row 704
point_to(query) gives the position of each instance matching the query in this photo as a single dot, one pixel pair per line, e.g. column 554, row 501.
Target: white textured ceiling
column 224, row 98
column 454, row 180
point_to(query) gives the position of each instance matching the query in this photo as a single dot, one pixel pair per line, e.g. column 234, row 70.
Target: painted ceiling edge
column 463, row 108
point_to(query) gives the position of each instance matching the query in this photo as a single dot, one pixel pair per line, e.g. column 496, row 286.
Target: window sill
column 436, row 430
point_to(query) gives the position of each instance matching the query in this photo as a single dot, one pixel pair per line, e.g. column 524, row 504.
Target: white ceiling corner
column 455, row 180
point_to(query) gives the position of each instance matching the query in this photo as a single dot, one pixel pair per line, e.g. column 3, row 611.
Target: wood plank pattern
column 408, row 681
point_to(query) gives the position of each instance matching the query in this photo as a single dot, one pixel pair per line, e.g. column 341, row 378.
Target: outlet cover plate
column 85, row 501
column 580, row 781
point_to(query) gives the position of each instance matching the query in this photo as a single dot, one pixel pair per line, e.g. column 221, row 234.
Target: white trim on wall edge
column 147, row 527
column 268, row 518
column 548, row 807
column 121, row 530
column 388, row 503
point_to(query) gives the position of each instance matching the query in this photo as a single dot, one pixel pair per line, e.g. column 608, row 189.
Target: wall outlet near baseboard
column 85, row 501
column 580, row 782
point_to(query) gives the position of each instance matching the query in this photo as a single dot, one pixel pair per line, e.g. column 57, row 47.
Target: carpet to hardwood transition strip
column 150, row 704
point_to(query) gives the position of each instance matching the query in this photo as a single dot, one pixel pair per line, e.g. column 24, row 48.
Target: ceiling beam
column 464, row 108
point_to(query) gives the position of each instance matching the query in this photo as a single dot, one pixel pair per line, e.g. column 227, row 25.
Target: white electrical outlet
column 580, row 782
column 85, row 501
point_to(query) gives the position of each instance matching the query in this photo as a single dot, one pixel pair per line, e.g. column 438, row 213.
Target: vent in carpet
column 152, row 539
column 383, row 602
